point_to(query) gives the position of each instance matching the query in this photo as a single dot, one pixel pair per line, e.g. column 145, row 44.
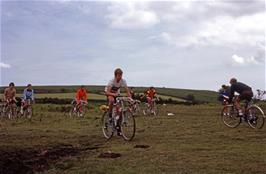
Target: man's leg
column 110, row 104
column 149, row 101
column 238, row 107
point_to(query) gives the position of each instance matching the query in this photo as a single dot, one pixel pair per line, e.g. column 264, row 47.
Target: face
column 29, row 87
column 118, row 77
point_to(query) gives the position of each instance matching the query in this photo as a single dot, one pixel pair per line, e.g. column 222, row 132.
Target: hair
column 11, row 84
column 28, row 85
column 233, row 80
column 82, row 86
column 118, row 71
column 224, row 86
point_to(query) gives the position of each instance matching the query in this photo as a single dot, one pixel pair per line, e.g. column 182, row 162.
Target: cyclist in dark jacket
column 244, row 91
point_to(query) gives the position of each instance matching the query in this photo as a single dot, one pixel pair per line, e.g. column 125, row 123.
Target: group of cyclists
column 227, row 93
column 112, row 91
column 10, row 96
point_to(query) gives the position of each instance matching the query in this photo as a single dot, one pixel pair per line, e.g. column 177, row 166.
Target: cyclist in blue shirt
column 224, row 93
column 28, row 96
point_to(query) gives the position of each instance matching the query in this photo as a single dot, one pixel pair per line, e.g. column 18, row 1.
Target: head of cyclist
column 82, row 87
column 118, row 74
column 29, row 87
column 233, row 81
column 151, row 88
column 225, row 87
column 11, row 85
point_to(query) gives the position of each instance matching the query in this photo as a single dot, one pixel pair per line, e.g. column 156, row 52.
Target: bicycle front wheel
column 230, row 116
column 128, row 126
column 29, row 112
column 256, row 117
column 107, row 126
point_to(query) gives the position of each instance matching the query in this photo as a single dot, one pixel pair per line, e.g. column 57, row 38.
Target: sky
column 177, row 44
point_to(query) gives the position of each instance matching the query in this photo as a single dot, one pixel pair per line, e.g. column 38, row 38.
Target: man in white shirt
column 113, row 88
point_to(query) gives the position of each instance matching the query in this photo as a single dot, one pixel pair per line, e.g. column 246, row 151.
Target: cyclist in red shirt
column 81, row 96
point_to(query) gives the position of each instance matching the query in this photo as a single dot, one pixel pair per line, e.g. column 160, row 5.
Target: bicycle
column 122, row 119
column 78, row 109
column 27, row 110
column 10, row 110
column 151, row 109
column 253, row 115
column 134, row 107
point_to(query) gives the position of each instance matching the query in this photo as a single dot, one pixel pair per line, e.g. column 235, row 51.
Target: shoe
column 119, row 133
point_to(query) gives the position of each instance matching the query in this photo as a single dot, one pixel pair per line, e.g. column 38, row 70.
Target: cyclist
column 28, row 94
column 113, row 90
column 244, row 91
column 132, row 93
column 10, row 94
column 224, row 93
column 150, row 95
column 81, row 96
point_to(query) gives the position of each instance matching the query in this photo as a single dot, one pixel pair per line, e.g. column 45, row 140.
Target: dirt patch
column 142, row 146
column 31, row 160
column 109, row 155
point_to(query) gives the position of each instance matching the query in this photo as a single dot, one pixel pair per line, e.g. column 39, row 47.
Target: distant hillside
column 199, row 95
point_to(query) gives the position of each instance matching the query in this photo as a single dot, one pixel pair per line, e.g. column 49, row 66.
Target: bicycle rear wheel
column 73, row 111
column 107, row 126
column 256, row 117
column 230, row 116
column 28, row 112
column 155, row 110
column 128, row 126
column 82, row 110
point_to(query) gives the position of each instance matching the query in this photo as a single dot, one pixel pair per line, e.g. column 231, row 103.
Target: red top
column 81, row 95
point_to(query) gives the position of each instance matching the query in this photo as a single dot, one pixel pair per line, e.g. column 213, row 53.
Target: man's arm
column 231, row 93
column 128, row 92
column 14, row 97
column 24, row 94
column 86, row 96
column 5, row 93
column 32, row 95
column 109, row 93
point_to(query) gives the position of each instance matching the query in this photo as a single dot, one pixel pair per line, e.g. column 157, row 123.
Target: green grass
column 193, row 141
column 200, row 95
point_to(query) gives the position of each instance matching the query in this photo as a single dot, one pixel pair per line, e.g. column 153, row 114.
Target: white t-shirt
column 115, row 86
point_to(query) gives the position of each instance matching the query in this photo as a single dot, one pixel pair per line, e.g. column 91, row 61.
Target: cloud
column 238, row 60
column 219, row 31
column 4, row 65
column 131, row 15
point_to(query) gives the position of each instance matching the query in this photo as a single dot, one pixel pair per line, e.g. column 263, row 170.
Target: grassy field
column 192, row 141
column 178, row 94
column 91, row 96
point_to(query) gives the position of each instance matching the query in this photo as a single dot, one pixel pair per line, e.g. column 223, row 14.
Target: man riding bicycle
column 224, row 93
column 113, row 90
column 150, row 95
column 28, row 94
column 81, row 96
column 244, row 91
column 10, row 94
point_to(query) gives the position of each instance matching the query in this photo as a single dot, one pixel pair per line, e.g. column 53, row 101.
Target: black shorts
column 246, row 95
